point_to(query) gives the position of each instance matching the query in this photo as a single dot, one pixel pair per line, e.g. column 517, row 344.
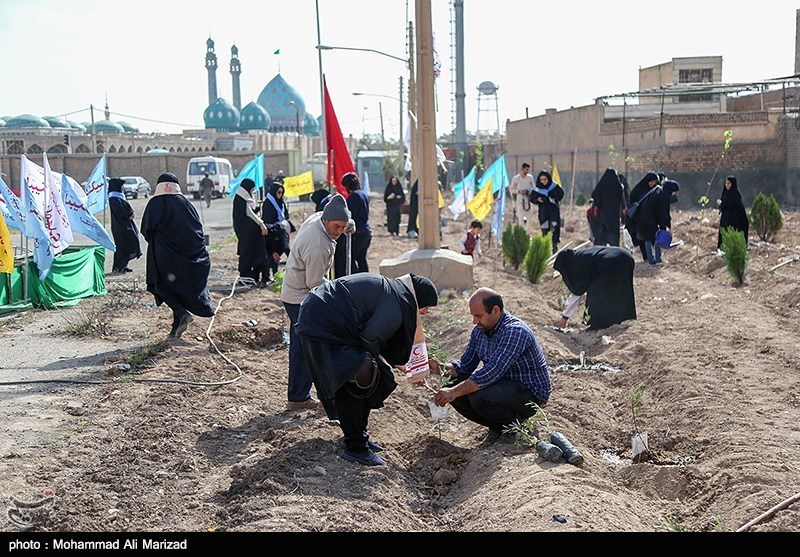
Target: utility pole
column 401, row 139
column 429, row 235
column 383, row 137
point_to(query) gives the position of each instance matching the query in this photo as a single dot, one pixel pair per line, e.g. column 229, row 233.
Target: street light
column 327, row 47
column 401, row 101
column 296, row 121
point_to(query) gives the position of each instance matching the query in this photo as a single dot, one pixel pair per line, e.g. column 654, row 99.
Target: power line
column 156, row 121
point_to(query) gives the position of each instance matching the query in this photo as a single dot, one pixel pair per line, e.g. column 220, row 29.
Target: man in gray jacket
column 309, row 264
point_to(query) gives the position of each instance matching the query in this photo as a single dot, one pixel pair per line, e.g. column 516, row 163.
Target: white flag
column 55, row 214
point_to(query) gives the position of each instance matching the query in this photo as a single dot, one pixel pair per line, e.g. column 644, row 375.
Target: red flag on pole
column 339, row 160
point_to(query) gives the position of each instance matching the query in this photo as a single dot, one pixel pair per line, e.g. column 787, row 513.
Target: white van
column 218, row 169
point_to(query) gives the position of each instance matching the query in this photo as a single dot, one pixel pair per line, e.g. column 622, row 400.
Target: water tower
column 488, row 90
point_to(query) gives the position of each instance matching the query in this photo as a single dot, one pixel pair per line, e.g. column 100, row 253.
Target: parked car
column 135, row 186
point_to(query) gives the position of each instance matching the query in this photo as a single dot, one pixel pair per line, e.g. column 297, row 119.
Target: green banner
column 79, row 272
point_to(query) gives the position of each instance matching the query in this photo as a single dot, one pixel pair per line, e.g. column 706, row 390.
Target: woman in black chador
column 641, row 189
column 731, row 210
column 123, row 228
column 604, row 274
column 394, row 196
column 177, row 260
column 250, row 232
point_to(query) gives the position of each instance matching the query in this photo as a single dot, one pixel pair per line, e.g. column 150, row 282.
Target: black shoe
column 548, row 451
column 371, row 445
column 571, row 454
column 182, row 325
column 127, row 270
column 367, row 458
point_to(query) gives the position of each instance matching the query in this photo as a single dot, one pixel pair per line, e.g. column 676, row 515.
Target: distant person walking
column 207, row 188
column 394, row 197
column 178, row 264
column 547, row 195
column 123, row 228
column 521, row 186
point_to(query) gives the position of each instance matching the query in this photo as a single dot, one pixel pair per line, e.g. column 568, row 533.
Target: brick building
column 675, row 124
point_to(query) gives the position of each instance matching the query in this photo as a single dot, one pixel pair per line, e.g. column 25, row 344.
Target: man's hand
column 276, row 257
column 445, row 395
column 351, row 227
column 562, row 323
column 264, row 230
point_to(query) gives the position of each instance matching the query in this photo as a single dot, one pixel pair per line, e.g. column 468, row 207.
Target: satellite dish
column 488, row 88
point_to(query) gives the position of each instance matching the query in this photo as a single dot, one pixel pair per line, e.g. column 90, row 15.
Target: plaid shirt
column 509, row 351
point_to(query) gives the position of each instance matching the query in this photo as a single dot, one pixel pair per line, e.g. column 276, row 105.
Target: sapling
column 526, row 432
column 635, row 401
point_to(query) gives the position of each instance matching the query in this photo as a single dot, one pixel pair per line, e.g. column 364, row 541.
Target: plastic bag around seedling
column 437, row 412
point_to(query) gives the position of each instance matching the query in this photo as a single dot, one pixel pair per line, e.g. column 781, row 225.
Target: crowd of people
column 351, row 330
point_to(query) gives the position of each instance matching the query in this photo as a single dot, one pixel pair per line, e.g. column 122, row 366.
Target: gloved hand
column 351, row 227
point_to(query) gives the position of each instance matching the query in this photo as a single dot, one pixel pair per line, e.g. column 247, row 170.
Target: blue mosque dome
column 221, row 115
column 56, row 122
column 285, row 105
column 312, row 126
column 108, row 126
column 2, row 123
column 27, row 121
column 128, row 127
column 254, row 117
column 76, row 126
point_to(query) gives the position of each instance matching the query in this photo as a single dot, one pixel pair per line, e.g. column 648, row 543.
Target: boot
column 548, row 451
column 571, row 454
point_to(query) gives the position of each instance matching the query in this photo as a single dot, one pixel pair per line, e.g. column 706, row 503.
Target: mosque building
column 277, row 120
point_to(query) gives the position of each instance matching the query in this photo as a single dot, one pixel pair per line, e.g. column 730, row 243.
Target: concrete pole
column 412, row 107
column 461, row 122
column 429, row 235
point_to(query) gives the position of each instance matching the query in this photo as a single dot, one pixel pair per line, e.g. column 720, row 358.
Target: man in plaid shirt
column 514, row 373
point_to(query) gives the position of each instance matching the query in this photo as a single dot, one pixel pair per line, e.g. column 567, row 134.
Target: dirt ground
column 217, row 450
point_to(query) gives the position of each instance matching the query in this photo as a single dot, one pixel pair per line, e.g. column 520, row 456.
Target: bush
column 766, row 217
column 735, row 248
column 581, row 200
column 539, row 252
column 515, row 244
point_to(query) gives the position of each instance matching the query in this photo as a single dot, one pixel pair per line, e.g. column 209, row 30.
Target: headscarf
column 575, row 272
column 167, row 183
column 424, row 291
column 245, row 191
column 115, row 184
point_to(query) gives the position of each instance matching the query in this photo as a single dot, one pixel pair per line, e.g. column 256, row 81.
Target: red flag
column 339, row 160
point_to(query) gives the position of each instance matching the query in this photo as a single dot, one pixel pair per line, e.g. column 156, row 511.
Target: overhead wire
column 239, row 371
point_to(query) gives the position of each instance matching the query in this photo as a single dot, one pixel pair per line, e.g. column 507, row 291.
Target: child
column 470, row 242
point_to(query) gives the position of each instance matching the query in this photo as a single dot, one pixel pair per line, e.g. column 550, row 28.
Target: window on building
column 700, row 75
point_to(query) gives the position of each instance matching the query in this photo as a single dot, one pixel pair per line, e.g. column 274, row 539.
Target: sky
column 147, row 57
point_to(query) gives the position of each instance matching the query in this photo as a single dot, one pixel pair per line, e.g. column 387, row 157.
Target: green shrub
column 515, row 244
column 766, row 217
column 581, row 200
column 539, row 252
column 735, row 248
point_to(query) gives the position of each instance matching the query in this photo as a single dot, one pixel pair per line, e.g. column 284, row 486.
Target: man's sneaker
column 367, row 458
column 303, row 404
